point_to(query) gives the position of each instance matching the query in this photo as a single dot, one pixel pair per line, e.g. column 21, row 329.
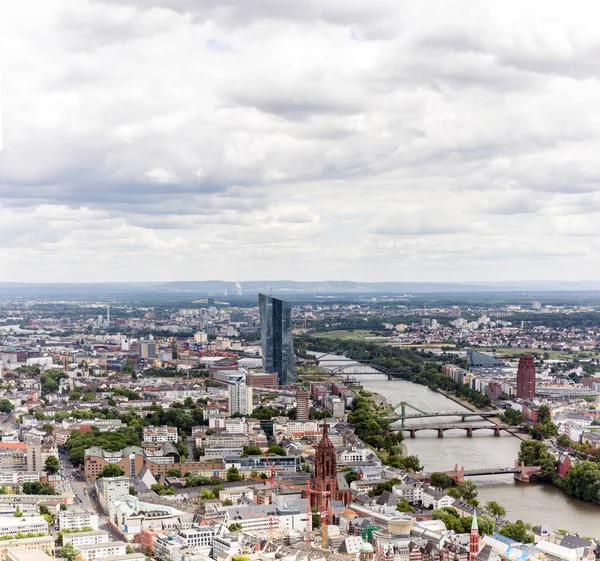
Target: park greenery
column 519, row 531
column 109, row 441
column 462, row 524
column 37, row 488
column 582, row 480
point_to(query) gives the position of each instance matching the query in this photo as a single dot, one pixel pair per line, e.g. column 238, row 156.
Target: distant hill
column 190, row 290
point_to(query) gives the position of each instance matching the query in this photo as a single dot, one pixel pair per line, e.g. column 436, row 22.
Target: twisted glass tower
column 276, row 338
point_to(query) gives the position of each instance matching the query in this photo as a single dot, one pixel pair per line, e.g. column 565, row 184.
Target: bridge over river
column 469, row 429
column 458, row 474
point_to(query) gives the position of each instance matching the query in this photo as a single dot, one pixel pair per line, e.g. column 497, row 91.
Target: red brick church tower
column 324, row 478
column 474, row 538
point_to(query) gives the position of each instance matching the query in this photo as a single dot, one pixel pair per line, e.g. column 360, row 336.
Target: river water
column 532, row 502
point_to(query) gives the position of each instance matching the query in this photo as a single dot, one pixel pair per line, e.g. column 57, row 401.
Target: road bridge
column 520, row 472
column 469, row 429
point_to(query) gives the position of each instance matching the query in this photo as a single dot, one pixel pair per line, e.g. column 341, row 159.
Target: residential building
column 276, row 338
column 11, row 525
column 77, row 519
column 240, row 399
column 25, row 549
column 101, row 550
column 302, row 405
column 160, row 434
column 198, row 536
column 86, row 538
column 112, row 489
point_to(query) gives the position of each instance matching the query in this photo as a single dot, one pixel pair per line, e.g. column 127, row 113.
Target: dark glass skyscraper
column 276, row 338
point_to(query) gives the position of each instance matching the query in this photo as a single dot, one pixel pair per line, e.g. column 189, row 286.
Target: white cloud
column 419, row 140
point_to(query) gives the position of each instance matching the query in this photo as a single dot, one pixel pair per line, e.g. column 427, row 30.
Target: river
column 536, row 503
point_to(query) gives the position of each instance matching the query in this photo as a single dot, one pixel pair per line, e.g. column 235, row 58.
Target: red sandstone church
column 326, row 483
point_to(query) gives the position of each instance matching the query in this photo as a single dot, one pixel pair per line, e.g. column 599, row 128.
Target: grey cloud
column 236, row 13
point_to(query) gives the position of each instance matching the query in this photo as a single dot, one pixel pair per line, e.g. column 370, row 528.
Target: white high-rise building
column 240, row 399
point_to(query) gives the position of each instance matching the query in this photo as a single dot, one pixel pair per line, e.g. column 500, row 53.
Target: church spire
column 474, row 538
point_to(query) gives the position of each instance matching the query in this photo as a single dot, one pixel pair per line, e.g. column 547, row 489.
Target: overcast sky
column 300, row 139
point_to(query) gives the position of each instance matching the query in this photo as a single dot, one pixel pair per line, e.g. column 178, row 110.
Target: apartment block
column 160, row 434
column 77, row 519
column 101, row 550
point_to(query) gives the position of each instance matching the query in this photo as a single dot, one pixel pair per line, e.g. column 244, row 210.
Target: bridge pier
column 413, row 433
column 496, row 430
column 469, row 431
column 440, row 433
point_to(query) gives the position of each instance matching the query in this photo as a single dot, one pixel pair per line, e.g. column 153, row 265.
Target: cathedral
column 326, row 483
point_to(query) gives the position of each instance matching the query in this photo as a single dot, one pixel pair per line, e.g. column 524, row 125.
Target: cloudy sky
column 299, row 139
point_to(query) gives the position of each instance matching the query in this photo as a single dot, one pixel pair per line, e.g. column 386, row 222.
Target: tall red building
column 474, row 538
column 526, row 377
column 324, row 480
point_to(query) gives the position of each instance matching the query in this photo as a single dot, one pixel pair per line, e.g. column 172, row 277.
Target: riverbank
column 523, row 436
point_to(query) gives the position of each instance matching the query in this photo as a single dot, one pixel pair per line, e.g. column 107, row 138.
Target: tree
column 519, row 531
column 495, row 508
column 404, row 506
column 129, row 549
column 207, row 494
column 68, row 552
column 173, row 472
column 18, row 512
column 440, row 480
column 132, row 491
column 544, row 414
column 563, row 439
column 276, row 450
column 412, row 463
column 63, row 506
column 227, row 502
column 252, row 451
column 6, row 406
column 512, row 417
column 233, row 474
column 37, row 488
column 74, row 396
column 52, row 465
column 351, row 476
column 235, row 527
column 110, row 470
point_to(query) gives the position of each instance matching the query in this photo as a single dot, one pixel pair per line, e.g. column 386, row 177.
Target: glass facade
column 276, row 338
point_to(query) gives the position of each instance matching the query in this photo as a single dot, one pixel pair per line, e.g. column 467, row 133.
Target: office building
column 148, row 349
column 240, row 399
column 302, row 405
column 276, row 338
column 526, row 377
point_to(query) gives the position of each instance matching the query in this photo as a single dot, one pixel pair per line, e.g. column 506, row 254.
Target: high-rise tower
column 474, row 538
column 526, row 377
column 276, row 338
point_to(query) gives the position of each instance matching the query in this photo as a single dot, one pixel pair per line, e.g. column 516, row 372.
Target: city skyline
column 163, row 141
